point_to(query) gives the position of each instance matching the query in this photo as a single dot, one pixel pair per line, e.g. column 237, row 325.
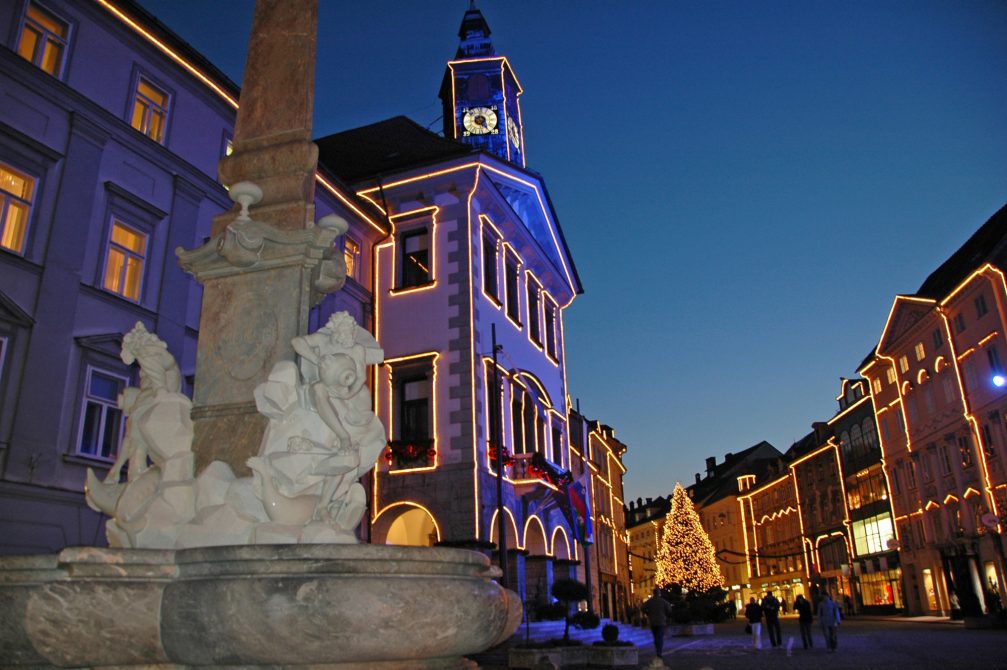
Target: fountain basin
column 339, row 606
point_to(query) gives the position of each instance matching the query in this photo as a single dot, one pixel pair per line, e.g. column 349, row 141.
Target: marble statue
column 321, row 438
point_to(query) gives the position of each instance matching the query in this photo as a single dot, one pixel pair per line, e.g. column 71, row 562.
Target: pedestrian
column 829, row 617
column 771, row 608
column 804, row 619
column 657, row 610
column 754, row 615
column 848, row 604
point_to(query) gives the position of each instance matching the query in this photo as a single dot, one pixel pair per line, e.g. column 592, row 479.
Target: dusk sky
column 744, row 186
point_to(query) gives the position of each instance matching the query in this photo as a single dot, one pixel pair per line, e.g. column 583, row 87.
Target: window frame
column 533, row 305
column 6, row 197
column 353, row 266
column 43, row 38
column 409, row 225
column 512, row 294
column 490, row 265
column 131, row 106
column 111, row 245
column 84, row 399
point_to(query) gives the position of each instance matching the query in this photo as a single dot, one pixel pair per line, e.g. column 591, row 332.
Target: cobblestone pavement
column 881, row 644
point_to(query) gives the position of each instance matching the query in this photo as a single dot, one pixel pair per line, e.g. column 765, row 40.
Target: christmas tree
column 685, row 555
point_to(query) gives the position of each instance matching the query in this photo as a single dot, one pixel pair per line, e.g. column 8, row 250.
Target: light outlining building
column 940, row 400
column 450, row 239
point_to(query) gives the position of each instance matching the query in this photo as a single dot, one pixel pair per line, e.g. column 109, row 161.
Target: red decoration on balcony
column 410, row 453
column 508, row 460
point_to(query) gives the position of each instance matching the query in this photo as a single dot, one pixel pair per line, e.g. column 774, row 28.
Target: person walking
column 829, row 616
column 771, row 608
column 804, row 619
column 657, row 610
column 753, row 612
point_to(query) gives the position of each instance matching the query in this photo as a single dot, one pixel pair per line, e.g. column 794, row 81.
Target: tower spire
column 474, row 35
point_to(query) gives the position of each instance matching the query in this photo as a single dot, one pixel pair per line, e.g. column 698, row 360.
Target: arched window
column 870, row 435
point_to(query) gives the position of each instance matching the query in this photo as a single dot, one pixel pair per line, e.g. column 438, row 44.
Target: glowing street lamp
column 999, row 380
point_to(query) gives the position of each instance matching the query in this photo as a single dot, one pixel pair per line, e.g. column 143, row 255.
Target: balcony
column 410, row 454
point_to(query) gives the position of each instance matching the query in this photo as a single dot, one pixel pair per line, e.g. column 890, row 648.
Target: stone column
column 263, row 268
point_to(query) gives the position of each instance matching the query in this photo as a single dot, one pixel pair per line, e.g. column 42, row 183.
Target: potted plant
column 611, row 652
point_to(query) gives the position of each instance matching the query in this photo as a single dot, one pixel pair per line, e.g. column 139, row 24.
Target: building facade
column 939, row 396
column 109, row 141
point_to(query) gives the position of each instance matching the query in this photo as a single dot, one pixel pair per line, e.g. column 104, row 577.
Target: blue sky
column 745, row 186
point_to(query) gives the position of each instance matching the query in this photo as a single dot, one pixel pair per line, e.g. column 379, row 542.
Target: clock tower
column 480, row 94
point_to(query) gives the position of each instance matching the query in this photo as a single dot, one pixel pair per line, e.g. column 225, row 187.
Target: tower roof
column 474, row 34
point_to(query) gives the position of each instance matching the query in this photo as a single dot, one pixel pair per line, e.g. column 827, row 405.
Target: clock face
column 513, row 133
column 479, row 121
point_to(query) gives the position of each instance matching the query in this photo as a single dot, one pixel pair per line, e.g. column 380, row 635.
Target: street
column 863, row 644
column 881, row 643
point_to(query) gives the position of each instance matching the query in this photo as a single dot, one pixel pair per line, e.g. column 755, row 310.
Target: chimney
column 697, row 477
column 711, row 464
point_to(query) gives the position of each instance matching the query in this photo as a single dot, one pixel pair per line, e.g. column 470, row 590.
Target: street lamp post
column 495, row 427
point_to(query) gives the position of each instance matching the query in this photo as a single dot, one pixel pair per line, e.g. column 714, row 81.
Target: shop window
column 44, row 39
column 101, row 424
column 17, row 190
column 125, row 258
column 150, row 110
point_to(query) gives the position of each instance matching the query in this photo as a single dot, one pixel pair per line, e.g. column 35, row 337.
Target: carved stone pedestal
column 276, row 606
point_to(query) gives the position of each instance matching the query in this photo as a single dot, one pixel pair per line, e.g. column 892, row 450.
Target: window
column 413, row 443
column 871, row 536
column 101, row 419
column 16, row 193
column 870, row 435
column 989, row 443
column 959, row 322
column 491, row 280
column 534, row 325
column 937, row 338
column 920, row 351
column 993, row 356
column 949, row 388
column 414, row 258
column 891, row 375
column 550, row 328
column 980, row 304
column 903, row 364
column 965, row 448
column 517, row 425
column 513, row 299
column 351, row 256
column 127, row 251
column 557, row 445
column 43, row 40
column 150, row 110
column 876, row 385
column 945, row 460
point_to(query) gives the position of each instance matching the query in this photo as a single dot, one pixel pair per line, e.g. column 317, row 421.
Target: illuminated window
column 903, row 364
column 550, row 328
column 413, row 440
column 534, row 325
column 871, row 535
column 414, row 259
column 980, row 304
column 959, row 322
column 101, row 422
column 228, row 145
column 16, row 193
column 491, row 282
column 127, row 252
column 891, row 375
column 43, row 39
column 965, row 448
column 351, row 256
column 876, row 384
column 920, row 352
column 150, row 110
column 511, row 277
column 938, row 338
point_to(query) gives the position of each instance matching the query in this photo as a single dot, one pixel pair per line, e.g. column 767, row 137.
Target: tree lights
column 685, row 555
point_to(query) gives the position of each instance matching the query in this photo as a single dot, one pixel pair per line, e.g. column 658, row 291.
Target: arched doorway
column 412, row 527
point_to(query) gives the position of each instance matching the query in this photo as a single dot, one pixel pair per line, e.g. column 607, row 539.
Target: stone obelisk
column 264, row 266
